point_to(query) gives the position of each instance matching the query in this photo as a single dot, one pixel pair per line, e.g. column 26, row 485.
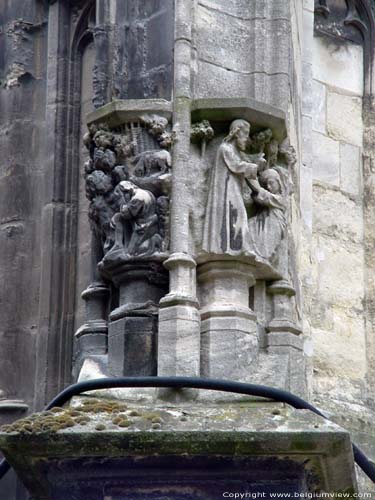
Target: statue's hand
column 255, row 186
column 251, row 171
column 262, row 164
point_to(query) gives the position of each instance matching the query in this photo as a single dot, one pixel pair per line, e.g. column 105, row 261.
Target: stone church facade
column 187, row 189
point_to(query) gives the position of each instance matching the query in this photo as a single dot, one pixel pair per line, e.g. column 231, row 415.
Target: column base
column 290, row 346
column 178, row 343
column 132, row 346
column 229, row 342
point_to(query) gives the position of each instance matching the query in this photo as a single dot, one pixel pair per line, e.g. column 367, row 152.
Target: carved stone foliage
column 249, row 186
column 201, row 133
column 128, row 182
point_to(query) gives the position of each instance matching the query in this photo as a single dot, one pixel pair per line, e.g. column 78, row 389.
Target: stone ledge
column 107, row 440
column 124, row 110
column 259, row 114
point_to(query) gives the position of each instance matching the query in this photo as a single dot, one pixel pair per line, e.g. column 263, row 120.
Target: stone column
column 179, row 333
column 284, row 335
column 179, row 320
column 91, row 338
column 228, row 331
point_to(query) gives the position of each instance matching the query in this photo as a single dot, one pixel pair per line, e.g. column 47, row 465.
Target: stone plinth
column 179, row 320
column 228, row 330
column 132, row 330
column 180, row 452
column 92, row 337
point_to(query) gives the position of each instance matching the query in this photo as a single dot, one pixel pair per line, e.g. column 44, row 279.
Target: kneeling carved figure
column 137, row 224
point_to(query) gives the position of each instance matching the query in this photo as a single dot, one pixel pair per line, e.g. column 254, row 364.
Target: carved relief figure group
column 234, row 225
column 128, row 183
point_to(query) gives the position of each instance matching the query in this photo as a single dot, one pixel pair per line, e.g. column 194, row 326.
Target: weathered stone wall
column 22, row 102
column 243, row 49
column 334, row 267
column 337, row 271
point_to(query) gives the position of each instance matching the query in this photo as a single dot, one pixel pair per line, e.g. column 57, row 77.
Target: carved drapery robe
column 225, row 226
column 268, row 226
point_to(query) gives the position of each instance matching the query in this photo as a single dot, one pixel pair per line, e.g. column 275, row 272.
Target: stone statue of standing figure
column 225, row 227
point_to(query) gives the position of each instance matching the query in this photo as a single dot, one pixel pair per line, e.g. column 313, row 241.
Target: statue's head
column 128, row 188
column 271, row 180
column 272, row 152
column 239, row 130
column 98, row 183
column 103, row 139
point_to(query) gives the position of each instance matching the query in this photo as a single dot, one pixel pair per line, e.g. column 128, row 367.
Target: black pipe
column 263, row 391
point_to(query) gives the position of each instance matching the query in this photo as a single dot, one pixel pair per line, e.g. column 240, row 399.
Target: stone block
column 344, row 118
column 306, row 195
column 341, row 353
column 228, row 347
column 215, row 81
column 340, row 273
column 326, row 159
column 284, row 339
column 319, row 104
column 307, row 153
column 308, row 5
column 159, row 37
column 307, row 83
column 340, row 66
column 223, row 40
column 337, row 217
column 350, row 169
column 239, row 8
column 307, row 35
column 179, row 341
column 132, row 346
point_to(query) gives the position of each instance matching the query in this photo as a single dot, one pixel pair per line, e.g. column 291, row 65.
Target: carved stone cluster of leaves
column 157, row 127
column 201, row 131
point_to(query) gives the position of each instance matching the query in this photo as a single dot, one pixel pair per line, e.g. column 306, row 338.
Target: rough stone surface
column 339, row 66
column 344, row 118
column 350, row 169
column 326, row 159
column 319, row 107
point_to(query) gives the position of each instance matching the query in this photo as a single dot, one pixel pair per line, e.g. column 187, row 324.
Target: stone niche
column 242, row 174
column 227, row 307
column 128, row 178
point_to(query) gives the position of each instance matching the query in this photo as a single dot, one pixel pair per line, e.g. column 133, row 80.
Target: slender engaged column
column 284, row 335
column 179, row 322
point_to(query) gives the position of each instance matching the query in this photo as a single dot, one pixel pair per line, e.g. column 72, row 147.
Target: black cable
column 263, row 391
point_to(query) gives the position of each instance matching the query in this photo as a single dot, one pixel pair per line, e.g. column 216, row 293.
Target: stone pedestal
column 132, row 330
column 180, row 452
column 132, row 346
column 228, row 330
column 283, row 338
